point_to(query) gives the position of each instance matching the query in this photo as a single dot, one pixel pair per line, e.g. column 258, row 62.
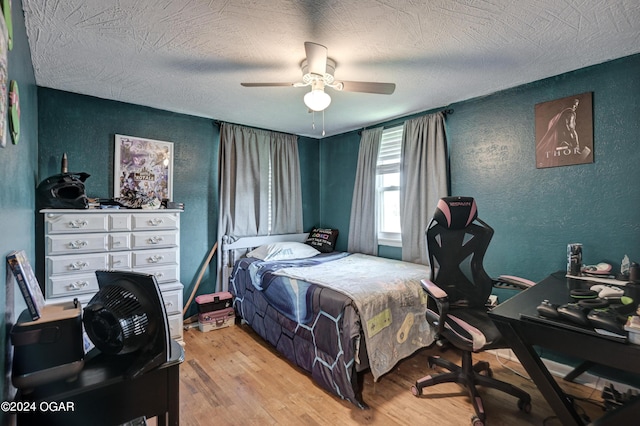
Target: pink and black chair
column 458, row 291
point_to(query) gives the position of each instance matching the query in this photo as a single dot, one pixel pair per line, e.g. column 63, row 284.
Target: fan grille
column 116, row 321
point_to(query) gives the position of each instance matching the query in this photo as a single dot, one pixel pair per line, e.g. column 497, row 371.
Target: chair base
column 471, row 375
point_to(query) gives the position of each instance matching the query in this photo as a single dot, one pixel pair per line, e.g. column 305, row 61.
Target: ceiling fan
column 317, row 72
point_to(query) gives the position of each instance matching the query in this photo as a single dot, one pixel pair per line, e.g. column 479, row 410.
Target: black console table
column 522, row 334
column 101, row 395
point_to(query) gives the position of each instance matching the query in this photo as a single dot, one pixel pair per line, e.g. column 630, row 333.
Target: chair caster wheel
column 488, row 372
column 524, row 405
column 415, row 391
column 476, row 421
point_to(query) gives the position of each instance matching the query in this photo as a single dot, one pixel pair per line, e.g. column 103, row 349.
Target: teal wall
column 84, row 128
column 535, row 212
column 18, row 170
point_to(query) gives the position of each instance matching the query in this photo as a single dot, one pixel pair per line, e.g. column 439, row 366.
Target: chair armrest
column 441, row 299
column 513, row 282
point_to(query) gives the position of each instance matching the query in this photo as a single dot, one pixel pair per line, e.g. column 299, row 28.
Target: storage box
column 215, row 320
column 48, row 349
column 214, row 301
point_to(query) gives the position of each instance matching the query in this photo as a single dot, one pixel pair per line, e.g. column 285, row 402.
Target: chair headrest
column 456, row 212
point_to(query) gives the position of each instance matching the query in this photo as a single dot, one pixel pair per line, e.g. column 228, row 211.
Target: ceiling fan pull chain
column 313, row 120
column 322, row 122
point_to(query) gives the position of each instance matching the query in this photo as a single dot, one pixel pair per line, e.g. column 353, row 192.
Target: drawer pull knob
column 78, row 285
column 159, row 274
column 77, row 244
column 156, row 221
column 78, row 223
column 76, row 266
column 155, row 240
column 156, row 258
column 168, row 304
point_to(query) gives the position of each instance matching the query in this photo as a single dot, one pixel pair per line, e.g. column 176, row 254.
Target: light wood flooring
column 232, row 376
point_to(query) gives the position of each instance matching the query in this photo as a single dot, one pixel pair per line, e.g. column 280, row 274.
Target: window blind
column 389, row 154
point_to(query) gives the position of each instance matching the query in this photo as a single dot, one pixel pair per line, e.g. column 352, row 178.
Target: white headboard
column 233, row 246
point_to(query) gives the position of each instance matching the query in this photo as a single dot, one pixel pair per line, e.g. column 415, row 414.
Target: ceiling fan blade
column 316, row 57
column 266, row 84
column 368, row 87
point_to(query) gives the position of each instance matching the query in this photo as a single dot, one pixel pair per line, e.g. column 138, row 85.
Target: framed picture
column 564, row 131
column 143, row 170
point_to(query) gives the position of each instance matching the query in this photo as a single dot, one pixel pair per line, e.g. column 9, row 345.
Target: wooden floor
column 232, row 377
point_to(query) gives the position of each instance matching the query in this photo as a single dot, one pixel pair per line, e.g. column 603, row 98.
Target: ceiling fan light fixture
column 317, row 99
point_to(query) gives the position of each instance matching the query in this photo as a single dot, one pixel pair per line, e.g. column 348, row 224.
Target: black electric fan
column 127, row 316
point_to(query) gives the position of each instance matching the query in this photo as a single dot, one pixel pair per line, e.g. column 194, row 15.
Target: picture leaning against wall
column 143, row 171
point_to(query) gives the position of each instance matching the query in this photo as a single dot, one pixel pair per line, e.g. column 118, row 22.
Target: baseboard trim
column 559, row 369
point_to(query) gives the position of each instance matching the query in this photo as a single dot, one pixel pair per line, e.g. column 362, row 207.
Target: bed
column 335, row 315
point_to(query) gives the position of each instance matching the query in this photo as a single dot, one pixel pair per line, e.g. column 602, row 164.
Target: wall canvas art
column 564, row 131
column 143, row 171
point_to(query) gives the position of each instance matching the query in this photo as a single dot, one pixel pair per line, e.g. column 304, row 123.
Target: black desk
column 102, row 396
column 522, row 334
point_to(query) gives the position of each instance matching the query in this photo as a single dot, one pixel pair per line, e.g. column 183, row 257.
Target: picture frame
column 143, row 170
column 564, row 131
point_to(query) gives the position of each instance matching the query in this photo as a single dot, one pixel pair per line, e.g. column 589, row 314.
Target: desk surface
column 523, row 334
column 586, row 344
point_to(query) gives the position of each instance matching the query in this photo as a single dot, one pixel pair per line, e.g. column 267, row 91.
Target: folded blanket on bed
column 388, row 296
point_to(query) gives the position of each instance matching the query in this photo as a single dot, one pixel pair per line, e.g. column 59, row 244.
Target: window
column 388, row 187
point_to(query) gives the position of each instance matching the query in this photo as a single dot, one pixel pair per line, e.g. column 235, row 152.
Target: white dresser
column 79, row 242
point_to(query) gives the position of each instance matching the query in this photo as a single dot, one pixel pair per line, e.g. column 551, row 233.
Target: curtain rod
column 219, row 124
column 446, row 112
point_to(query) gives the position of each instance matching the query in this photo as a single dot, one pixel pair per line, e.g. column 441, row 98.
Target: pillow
column 323, row 239
column 283, row 251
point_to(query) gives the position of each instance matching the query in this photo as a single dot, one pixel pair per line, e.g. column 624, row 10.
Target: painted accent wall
column 85, row 127
column 535, row 212
column 18, row 170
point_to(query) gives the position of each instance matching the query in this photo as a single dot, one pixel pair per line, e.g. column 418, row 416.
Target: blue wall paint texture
column 18, row 166
column 85, row 127
column 536, row 212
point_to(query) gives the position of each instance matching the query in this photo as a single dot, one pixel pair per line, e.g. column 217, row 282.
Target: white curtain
column 363, row 237
column 423, row 181
column 259, row 184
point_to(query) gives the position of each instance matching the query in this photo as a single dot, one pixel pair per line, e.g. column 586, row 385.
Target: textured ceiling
column 190, row 56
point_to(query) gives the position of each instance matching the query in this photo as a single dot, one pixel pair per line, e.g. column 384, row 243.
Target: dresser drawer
column 175, row 326
column 163, row 273
column 120, row 222
column 148, row 221
column 76, row 264
column 75, row 223
column 70, row 284
column 120, row 261
column 70, row 244
column 142, row 240
column 119, row 241
column 172, row 301
column 144, row 258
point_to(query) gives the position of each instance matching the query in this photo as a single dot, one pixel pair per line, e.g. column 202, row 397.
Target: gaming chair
column 458, row 292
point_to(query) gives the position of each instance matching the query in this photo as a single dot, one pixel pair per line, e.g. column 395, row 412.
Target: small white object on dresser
column 79, row 242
